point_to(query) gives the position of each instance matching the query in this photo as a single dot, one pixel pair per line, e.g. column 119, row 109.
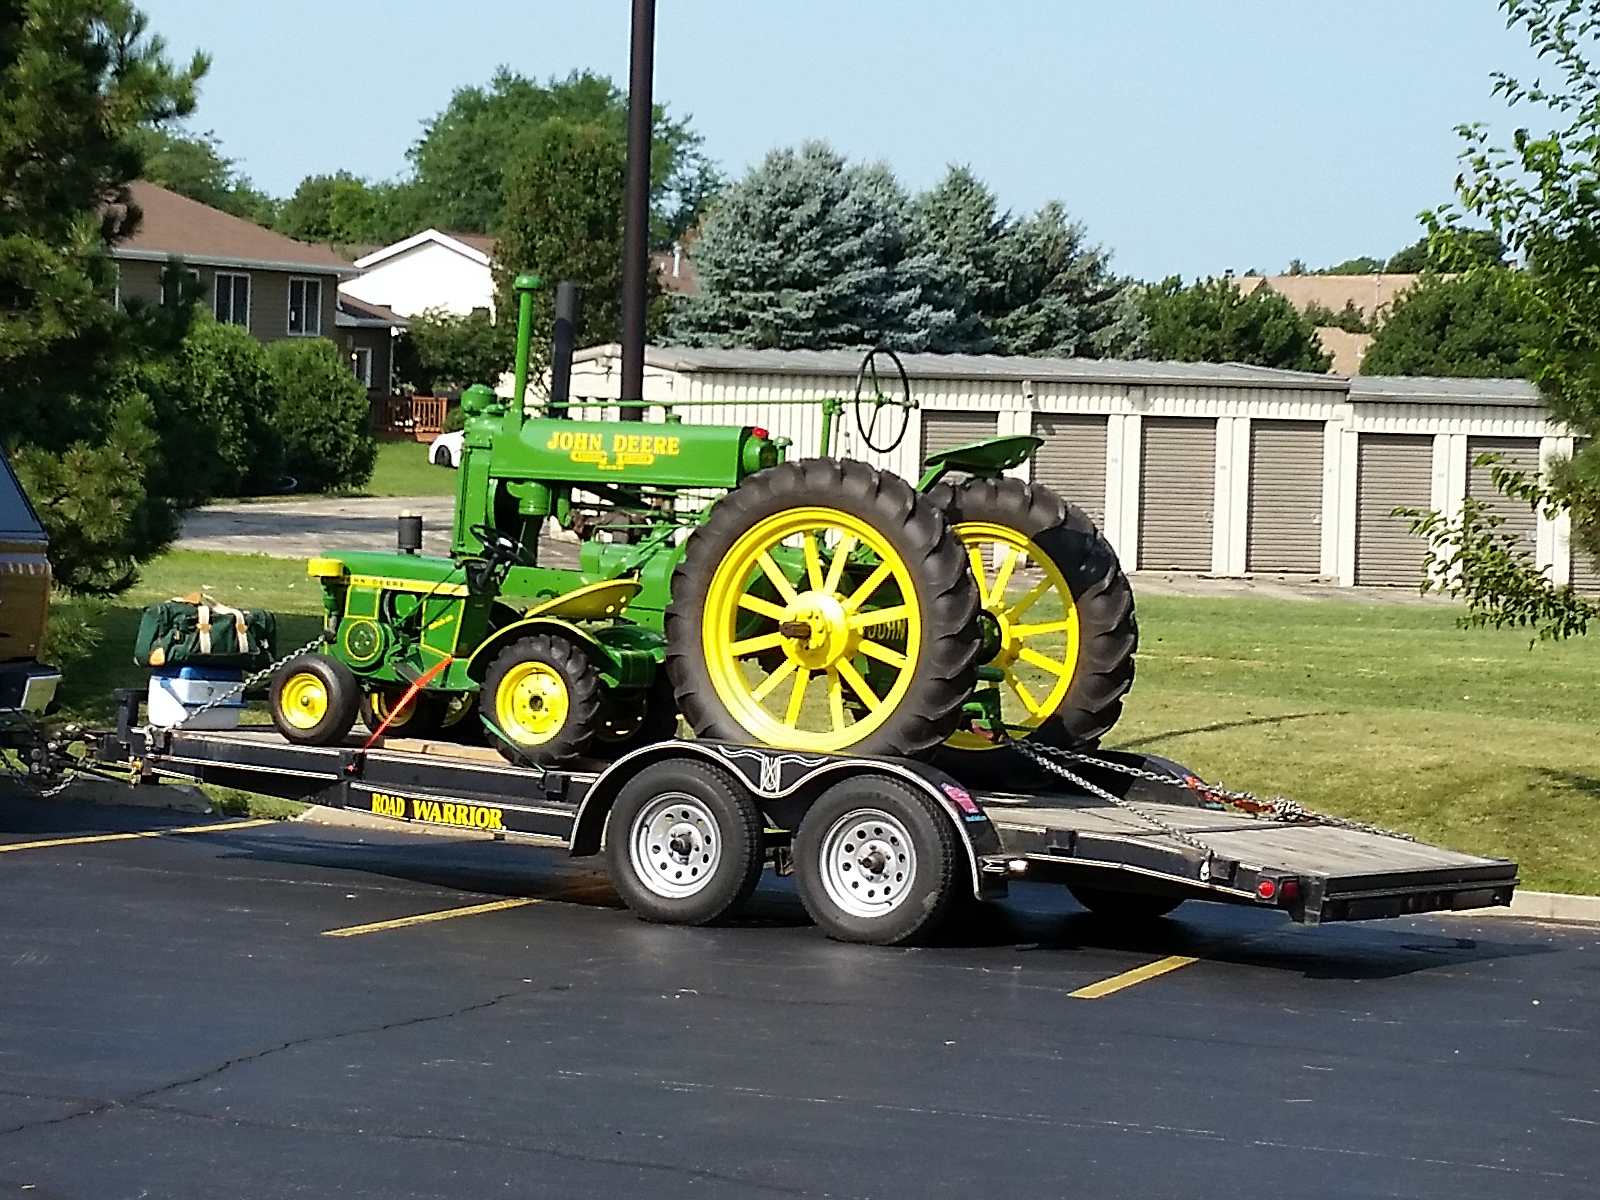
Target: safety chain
column 1279, row 809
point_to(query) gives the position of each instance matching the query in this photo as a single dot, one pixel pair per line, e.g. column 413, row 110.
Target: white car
column 445, row 450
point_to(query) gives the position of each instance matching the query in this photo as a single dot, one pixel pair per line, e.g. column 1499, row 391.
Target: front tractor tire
column 542, row 695
column 824, row 606
column 313, row 699
column 1057, row 614
column 423, row 717
column 684, row 844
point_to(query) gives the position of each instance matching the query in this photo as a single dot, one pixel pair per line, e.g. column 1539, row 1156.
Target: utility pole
column 636, row 207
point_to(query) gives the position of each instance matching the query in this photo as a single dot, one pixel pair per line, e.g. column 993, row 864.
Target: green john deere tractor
column 818, row 605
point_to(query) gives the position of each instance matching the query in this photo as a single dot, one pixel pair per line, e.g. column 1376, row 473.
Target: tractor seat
column 988, row 457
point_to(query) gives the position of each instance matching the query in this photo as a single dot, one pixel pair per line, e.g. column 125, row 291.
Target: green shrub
column 443, row 350
column 322, row 415
column 214, row 413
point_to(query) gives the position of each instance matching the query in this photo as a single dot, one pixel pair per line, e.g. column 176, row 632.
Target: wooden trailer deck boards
column 1164, row 840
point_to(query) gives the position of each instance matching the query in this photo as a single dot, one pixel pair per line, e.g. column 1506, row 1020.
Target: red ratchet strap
column 411, row 693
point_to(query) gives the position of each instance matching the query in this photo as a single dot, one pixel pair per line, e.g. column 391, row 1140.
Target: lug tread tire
column 941, row 863
column 740, row 823
column 1108, row 629
column 344, row 698
column 583, row 698
column 947, row 673
column 660, row 720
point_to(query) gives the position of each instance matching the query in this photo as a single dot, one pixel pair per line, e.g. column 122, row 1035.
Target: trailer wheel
column 1057, row 614
column 543, row 695
column 422, row 718
column 824, row 606
column 1123, row 906
column 684, row 844
column 876, row 862
column 313, row 699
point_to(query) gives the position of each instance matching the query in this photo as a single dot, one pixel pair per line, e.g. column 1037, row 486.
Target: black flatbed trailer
column 967, row 841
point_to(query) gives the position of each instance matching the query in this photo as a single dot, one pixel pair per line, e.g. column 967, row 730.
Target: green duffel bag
column 197, row 631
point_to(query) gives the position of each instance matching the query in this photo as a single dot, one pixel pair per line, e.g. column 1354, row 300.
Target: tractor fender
column 604, row 661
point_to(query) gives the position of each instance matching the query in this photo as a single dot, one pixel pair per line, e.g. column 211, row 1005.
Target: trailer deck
column 1314, row 872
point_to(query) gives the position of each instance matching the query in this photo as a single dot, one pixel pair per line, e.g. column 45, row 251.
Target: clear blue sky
column 1189, row 137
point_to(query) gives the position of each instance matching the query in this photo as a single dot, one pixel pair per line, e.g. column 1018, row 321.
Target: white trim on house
column 216, row 292
column 314, row 309
column 361, row 364
column 421, row 239
column 223, row 262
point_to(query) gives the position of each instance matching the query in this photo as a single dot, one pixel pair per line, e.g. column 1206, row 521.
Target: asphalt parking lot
column 178, row 1021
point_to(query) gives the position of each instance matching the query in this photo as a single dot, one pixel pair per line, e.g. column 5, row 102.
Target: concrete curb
column 83, row 789
column 1550, row 906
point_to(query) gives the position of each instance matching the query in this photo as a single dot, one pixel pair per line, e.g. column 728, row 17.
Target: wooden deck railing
column 419, row 417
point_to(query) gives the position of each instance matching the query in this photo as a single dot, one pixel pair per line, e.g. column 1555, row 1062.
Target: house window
column 231, row 299
column 180, row 284
column 361, row 364
column 305, row 308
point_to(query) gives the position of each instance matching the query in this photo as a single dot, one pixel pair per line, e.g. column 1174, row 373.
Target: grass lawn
column 403, row 469
column 1386, row 713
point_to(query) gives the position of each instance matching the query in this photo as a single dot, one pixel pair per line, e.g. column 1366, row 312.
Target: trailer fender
column 619, row 668
column 785, row 783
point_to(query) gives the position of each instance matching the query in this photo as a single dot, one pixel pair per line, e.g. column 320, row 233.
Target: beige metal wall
column 1285, row 521
column 1392, row 471
column 1072, row 461
column 1177, row 478
column 942, row 428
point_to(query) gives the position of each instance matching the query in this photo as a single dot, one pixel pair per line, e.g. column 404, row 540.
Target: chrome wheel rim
column 674, row 845
column 868, row 863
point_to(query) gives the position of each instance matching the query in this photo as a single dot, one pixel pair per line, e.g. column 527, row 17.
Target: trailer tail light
column 1267, row 889
column 1289, row 891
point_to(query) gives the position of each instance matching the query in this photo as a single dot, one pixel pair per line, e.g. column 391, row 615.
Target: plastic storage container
column 178, row 693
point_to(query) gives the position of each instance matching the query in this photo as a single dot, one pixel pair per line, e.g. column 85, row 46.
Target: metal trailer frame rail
column 1315, row 873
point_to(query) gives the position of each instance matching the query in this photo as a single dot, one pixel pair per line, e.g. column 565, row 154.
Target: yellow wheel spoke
column 779, row 580
column 980, row 573
column 1028, row 702
column 880, row 616
column 813, row 560
column 765, row 607
column 797, row 697
column 841, row 555
column 1003, row 576
column 766, row 641
column 835, row 700
column 847, row 669
column 771, row 683
column 871, row 584
column 1043, row 663
column 882, row 653
column 1028, row 631
column 1028, row 601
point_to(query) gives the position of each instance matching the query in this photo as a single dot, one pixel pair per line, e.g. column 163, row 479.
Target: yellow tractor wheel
column 313, row 699
column 541, row 696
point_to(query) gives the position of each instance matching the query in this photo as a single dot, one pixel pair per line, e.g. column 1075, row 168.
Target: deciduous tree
column 1214, row 321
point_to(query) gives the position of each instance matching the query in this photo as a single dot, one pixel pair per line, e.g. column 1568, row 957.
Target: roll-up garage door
column 1072, row 461
column 1585, row 578
column 942, row 428
column 1521, row 454
column 1177, row 487
column 1285, row 531
column 1394, row 471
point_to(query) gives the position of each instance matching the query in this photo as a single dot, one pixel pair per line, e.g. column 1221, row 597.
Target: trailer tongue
column 882, row 849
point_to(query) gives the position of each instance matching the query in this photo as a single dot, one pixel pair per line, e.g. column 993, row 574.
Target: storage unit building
column 1072, row 460
column 1393, row 471
column 1285, row 523
column 1177, row 473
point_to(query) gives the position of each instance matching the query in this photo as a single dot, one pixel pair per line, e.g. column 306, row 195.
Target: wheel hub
column 673, row 845
column 868, row 863
column 827, row 637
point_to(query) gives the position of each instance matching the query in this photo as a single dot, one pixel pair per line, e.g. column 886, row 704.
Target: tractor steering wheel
column 868, row 425
column 497, row 547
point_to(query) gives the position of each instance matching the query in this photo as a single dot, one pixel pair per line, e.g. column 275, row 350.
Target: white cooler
column 177, row 693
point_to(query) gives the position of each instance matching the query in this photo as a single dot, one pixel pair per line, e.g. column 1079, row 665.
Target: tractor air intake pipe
column 563, row 337
column 525, row 286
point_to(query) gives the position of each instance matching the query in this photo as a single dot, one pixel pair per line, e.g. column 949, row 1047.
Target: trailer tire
column 684, row 843
column 1079, row 706
column 1123, row 906
column 313, row 699
column 876, row 862
column 903, row 681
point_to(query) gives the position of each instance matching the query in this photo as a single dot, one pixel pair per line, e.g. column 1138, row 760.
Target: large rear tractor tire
column 313, row 699
column 824, row 606
column 543, row 696
column 1057, row 614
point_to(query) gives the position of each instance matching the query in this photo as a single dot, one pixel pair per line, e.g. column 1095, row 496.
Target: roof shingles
column 175, row 225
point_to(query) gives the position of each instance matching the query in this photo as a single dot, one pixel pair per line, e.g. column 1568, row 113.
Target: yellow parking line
column 1128, row 978
column 423, row 918
column 215, row 827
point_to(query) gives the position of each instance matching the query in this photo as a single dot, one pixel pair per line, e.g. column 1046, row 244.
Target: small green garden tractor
column 816, row 605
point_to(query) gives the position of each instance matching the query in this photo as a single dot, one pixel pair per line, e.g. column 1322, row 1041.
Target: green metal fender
column 623, row 661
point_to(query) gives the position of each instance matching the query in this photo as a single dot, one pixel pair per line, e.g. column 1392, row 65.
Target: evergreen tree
column 809, row 252
column 78, row 78
column 1465, row 326
column 1213, row 321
